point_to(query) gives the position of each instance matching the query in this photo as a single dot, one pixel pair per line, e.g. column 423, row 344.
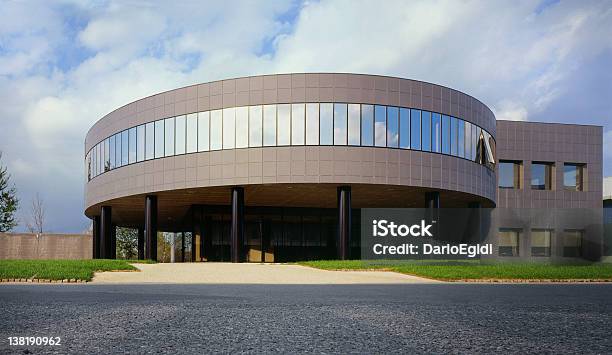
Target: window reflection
column 229, row 128
column 426, row 131
column 354, row 124
column 255, row 126
column 340, row 124
column 203, row 131
column 216, row 132
column 380, row 126
column 541, row 176
column 180, row 135
column 326, row 125
column 150, row 140
column 312, row 124
column 445, row 134
column 404, row 127
column 436, row 134
column 283, row 124
column 192, row 133
column 474, row 143
column 169, row 137
column 367, row 125
column 124, row 147
column 159, row 139
column 269, row 125
column 453, row 136
column 242, row 127
column 106, row 156
column 392, row 127
column 572, row 176
column 461, row 138
column 111, row 151
column 468, row 140
column 140, row 143
column 297, row 124
column 132, row 145
column 118, row 150
column 415, row 129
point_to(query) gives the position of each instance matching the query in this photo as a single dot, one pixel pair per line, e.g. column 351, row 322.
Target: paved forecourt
column 238, row 273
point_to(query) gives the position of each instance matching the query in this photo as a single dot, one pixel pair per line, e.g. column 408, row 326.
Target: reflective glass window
column 192, row 133
column 204, row 131
column 169, row 137
column 426, row 131
column 132, row 145
column 445, row 134
column 436, row 133
column 453, row 136
column 541, row 176
column 461, row 138
column 216, row 129
column 150, row 140
column 340, row 124
column 124, row 147
column 140, row 143
column 111, row 151
column 312, row 124
column 367, row 125
column 106, row 155
column 297, row 124
column 100, row 158
column 404, row 126
column 380, row 126
column 229, row 128
column 283, row 125
column 509, row 175
column 326, row 124
column 269, row 125
column 572, row 243
column 392, row 127
column 508, row 244
column 180, row 135
column 540, row 242
column 255, row 126
column 572, row 176
column 415, row 129
column 242, row 127
column 94, row 169
column 474, row 143
column 354, row 124
column 468, row 140
column 159, row 139
column 118, row 162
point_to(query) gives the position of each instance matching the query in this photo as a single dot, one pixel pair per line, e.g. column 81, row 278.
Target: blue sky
column 65, row 64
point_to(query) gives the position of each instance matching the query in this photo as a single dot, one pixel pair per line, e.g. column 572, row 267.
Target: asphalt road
column 435, row 318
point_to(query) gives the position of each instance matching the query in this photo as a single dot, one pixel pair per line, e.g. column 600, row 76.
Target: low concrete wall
column 45, row 246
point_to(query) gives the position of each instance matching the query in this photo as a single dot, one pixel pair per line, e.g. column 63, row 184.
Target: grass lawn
column 61, row 269
column 466, row 270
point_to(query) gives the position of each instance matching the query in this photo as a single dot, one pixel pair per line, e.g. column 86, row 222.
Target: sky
column 65, row 64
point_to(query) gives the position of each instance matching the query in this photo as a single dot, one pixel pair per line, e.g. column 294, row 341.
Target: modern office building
column 277, row 167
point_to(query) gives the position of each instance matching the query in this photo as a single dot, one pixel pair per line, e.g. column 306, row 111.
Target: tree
column 127, row 243
column 8, row 200
column 37, row 220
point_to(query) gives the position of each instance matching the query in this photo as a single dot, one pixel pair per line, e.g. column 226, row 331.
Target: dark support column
column 96, row 237
column 432, row 199
column 432, row 206
column 151, row 227
column 105, row 232
column 475, row 221
column 141, row 243
column 182, row 247
column 237, row 226
column 344, row 222
column 113, row 242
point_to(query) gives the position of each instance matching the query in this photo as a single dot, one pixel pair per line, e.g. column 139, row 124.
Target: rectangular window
column 354, row 124
column 426, row 131
column 380, row 126
column 509, row 174
column 474, row 143
column 404, row 128
column 541, row 176
column 229, row 128
column 508, row 242
column 460, row 138
column 140, row 143
column 94, row 151
column 326, row 125
column 468, row 140
column 255, row 126
column 216, row 130
column 180, row 135
column 312, row 124
column 118, row 150
column 572, row 243
column 106, row 155
column 150, row 140
column 192, row 133
column 159, row 139
column 269, row 125
column 242, row 127
column 540, row 242
column 204, row 131
column 283, row 128
column 367, row 125
column 169, row 137
column 436, row 133
column 445, row 134
column 453, row 136
column 340, row 124
column 415, row 129
column 297, row 124
column 573, row 177
column 392, row 127
column 132, row 145
column 111, row 151
column 124, row 147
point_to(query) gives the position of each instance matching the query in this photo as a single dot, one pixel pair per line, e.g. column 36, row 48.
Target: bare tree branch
column 37, row 221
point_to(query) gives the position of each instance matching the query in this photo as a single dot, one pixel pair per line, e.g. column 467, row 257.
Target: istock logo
column 384, row 228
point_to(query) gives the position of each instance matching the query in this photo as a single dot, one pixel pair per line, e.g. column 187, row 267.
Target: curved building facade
column 276, row 167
